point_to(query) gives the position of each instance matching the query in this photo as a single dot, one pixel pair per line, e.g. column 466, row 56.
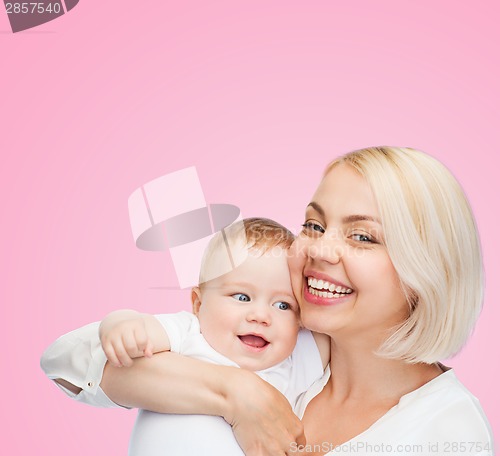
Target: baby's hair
column 433, row 243
column 259, row 235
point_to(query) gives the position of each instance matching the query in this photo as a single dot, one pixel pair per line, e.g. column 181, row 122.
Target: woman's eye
column 313, row 227
column 282, row 305
column 361, row 237
column 241, row 297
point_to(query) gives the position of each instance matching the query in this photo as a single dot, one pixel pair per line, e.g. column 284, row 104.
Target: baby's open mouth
column 253, row 340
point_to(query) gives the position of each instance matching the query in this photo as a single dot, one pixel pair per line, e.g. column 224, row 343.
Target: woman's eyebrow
column 348, row 219
column 317, row 208
column 360, row 218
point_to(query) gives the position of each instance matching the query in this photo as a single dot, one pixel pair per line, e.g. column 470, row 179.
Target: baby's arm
column 76, row 360
column 127, row 334
column 324, row 346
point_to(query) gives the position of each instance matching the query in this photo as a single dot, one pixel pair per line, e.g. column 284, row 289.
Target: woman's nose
column 329, row 247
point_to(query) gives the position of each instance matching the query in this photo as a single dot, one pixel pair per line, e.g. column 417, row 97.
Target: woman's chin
column 314, row 319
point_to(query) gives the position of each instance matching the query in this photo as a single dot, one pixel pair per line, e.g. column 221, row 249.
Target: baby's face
column 250, row 314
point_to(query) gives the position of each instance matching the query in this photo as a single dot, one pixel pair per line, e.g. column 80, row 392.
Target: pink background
column 259, row 96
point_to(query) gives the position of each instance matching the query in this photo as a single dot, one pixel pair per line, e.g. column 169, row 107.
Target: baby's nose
column 259, row 313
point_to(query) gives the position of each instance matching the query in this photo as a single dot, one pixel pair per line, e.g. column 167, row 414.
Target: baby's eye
column 311, row 227
column 282, row 305
column 241, row 297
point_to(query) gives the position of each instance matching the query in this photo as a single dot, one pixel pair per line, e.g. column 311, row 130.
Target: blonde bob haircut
column 432, row 240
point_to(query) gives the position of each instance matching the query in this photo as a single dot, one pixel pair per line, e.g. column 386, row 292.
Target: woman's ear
column 196, row 299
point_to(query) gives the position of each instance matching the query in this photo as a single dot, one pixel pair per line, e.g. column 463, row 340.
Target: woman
column 388, row 265
column 394, row 226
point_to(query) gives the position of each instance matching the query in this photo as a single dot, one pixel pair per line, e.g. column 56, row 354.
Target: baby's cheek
column 297, row 253
column 293, row 333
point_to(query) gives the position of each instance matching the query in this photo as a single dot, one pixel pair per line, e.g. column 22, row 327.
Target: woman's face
column 341, row 272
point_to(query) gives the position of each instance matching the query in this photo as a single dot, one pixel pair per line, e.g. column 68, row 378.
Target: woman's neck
column 359, row 374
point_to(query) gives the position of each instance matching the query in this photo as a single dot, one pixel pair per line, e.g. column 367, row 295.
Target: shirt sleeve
column 78, row 358
column 179, row 327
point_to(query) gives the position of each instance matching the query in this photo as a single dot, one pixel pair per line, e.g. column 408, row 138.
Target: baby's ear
column 196, row 299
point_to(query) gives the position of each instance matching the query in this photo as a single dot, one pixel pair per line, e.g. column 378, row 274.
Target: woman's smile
column 320, row 289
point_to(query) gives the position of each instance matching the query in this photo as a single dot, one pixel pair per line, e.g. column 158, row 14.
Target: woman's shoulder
column 443, row 392
column 445, row 407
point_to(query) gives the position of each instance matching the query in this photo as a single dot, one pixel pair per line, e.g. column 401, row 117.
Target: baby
column 244, row 314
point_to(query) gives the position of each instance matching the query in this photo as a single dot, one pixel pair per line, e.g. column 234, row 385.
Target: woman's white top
column 441, row 418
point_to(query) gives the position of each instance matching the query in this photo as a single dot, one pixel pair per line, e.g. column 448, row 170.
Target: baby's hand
column 124, row 336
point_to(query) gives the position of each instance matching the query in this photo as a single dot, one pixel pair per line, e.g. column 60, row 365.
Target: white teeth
column 323, row 286
column 325, row 294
